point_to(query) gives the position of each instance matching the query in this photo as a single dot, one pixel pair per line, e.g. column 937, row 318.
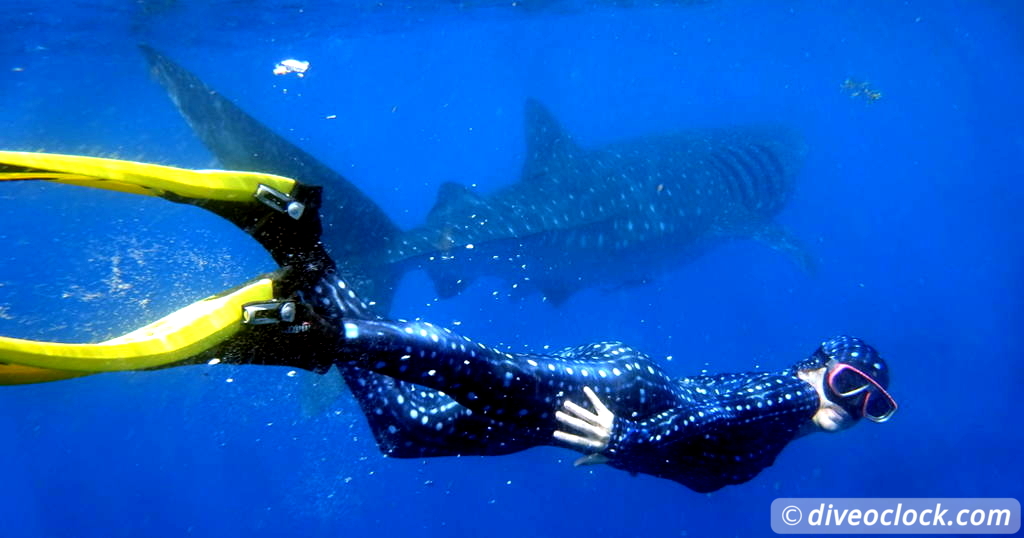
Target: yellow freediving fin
column 174, row 338
column 16, row 374
column 139, row 178
column 278, row 212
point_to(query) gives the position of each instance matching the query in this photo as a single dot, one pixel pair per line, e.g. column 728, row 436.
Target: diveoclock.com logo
column 896, row 516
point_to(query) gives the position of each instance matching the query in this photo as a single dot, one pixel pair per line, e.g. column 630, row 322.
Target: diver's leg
column 412, row 421
column 524, row 389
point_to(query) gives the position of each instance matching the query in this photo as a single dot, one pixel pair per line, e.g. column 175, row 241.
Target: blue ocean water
column 910, row 201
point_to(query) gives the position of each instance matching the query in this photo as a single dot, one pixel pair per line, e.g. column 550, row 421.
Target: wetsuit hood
column 852, row 351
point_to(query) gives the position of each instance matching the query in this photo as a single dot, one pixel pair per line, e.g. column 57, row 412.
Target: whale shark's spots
column 574, row 209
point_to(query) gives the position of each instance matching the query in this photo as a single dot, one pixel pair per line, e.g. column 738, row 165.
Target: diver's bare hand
column 587, row 430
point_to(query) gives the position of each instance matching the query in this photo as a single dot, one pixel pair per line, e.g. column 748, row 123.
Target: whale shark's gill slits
column 741, row 178
column 724, row 175
column 749, row 176
column 771, row 158
column 775, row 180
column 731, row 178
column 744, row 177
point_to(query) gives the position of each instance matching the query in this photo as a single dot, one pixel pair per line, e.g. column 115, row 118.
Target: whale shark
column 615, row 215
column 579, row 217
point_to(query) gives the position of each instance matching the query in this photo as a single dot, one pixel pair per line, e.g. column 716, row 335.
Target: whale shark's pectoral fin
column 319, row 393
column 557, row 292
column 454, row 202
column 452, row 198
column 781, row 239
column 629, row 284
column 447, row 282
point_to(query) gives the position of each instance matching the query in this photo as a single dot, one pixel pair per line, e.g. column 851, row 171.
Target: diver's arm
column 763, row 400
column 591, row 431
column 606, row 438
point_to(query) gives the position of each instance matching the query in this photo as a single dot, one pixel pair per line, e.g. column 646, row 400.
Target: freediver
column 427, row 391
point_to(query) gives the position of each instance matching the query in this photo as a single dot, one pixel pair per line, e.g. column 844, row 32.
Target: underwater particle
column 298, row 67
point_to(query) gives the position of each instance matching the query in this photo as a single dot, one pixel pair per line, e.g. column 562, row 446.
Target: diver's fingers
column 579, row 412
column 599, row 406
column 578, row 442
column 581, row 426
column 591, row 459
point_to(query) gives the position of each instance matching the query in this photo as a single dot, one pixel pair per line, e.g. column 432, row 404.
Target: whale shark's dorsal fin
column 547, row 142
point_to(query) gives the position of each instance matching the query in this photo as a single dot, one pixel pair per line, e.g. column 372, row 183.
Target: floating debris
column 291, row 66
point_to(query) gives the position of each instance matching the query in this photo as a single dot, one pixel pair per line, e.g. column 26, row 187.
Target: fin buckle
column 280, row 201
column 268, row 313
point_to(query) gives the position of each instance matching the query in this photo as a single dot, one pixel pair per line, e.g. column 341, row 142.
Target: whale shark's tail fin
column 354, row 226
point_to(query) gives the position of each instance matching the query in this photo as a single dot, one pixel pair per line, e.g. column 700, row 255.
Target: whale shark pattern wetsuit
column 429, row 392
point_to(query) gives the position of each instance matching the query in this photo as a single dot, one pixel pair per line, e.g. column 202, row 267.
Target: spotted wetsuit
column 429, row 392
